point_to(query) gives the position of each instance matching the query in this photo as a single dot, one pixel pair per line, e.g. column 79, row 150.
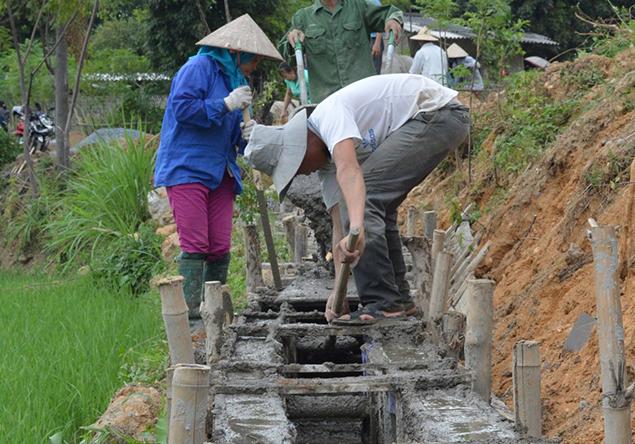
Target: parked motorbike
column 41, row 128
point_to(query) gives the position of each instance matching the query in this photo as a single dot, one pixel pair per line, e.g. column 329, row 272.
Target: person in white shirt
column 372, row 142
column 430, row 60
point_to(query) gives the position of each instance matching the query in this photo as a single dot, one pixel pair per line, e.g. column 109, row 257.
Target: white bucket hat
column 278, row 151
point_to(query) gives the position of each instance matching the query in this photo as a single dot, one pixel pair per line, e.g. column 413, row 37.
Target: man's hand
column 294, row 36
column 394, row 26
column 351, row 257
column 246, row 128
column 239, row 98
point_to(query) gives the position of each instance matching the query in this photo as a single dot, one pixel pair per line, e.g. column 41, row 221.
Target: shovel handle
column 342, row 277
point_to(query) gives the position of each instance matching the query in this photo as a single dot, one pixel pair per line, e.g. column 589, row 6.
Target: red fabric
column 204, row 217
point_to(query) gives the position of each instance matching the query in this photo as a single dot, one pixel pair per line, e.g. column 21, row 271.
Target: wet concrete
column 380, row 384
column 249, row 419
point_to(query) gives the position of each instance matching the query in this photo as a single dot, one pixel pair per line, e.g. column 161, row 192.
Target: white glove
column 239, row 98
column 246, row 129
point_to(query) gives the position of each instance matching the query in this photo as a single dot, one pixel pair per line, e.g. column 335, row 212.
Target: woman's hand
column 240, row 98
column 246, row 128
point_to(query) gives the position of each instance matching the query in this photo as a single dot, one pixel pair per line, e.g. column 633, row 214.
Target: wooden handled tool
column 264, row 218
column 342, row 277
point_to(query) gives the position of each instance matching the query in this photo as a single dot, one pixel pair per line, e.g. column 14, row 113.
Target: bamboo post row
column 188, row 416
column 175, row 318
column 526, row 384
column 616, row 406
column 478, row 335
column 213, row 314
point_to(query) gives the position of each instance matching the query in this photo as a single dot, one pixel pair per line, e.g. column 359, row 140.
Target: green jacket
column 337, row 45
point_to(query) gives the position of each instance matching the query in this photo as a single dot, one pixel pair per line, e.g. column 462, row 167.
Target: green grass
column 67, row 346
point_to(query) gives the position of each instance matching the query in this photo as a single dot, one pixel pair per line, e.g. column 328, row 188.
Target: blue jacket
column 200, row 139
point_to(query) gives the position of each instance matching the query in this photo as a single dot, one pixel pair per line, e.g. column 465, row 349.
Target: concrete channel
column 280, row 380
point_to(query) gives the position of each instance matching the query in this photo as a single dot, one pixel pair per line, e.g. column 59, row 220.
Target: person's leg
column 189, row 205
column 398, row 165
column 395, row 252
column 220, row 212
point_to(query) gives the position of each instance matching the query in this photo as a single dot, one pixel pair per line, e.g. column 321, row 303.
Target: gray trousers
column 403, row 161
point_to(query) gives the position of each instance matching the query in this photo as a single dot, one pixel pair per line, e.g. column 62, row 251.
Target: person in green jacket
column 336, row 40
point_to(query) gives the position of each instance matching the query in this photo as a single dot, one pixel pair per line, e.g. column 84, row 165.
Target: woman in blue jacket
column 202, row 134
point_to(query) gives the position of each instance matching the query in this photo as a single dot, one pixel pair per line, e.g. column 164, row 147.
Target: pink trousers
column 204, row 217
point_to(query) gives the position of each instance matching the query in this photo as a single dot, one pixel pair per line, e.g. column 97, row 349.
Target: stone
column 580, row 333
column 159, row 207
column 132, row 412
column 166, row 230
column 171, row 246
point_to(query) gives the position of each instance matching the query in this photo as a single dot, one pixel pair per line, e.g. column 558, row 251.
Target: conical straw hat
column 456, row 52
column 242, row 34
column 424, row 36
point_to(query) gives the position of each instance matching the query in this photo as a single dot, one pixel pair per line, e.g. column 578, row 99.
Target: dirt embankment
column 541, row 259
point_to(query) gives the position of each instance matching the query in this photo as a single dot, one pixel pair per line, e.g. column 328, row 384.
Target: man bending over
column 372, row 142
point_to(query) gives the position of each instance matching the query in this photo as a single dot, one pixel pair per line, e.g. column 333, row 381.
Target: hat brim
column 295, row 144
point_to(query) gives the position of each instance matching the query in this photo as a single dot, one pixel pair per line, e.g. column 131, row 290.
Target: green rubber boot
column 217, row 271
column 191, row 267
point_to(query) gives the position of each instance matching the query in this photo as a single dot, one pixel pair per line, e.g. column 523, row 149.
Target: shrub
column 130, row 261
column 105, row 200
column 532, row 122
column 138, row 105
column 9, row 148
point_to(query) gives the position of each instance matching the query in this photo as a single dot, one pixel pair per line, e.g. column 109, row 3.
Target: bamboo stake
column 429, row 224
column 169, row 377
column 190, row 388
column 264, row 220
column 213, row 314
column 411, row 221
column 252, row 257
column 478, row 336
column 453, row 331
column 626, row 238
column 438, row 241
column 289, row 223
column 617, row 408
column 300, row 243
column 176, row 322
column 526, row 384
column 440, row 287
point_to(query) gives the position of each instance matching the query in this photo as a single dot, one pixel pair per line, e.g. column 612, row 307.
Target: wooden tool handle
column 342, row 277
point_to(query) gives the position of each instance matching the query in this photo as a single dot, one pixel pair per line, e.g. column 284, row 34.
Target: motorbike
column 41, row 128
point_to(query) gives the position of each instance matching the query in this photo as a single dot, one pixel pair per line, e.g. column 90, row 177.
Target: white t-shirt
column 369, row 111
column 431, row 61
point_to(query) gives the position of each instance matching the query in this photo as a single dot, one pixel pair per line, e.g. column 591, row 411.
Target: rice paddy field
column 66, row 346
